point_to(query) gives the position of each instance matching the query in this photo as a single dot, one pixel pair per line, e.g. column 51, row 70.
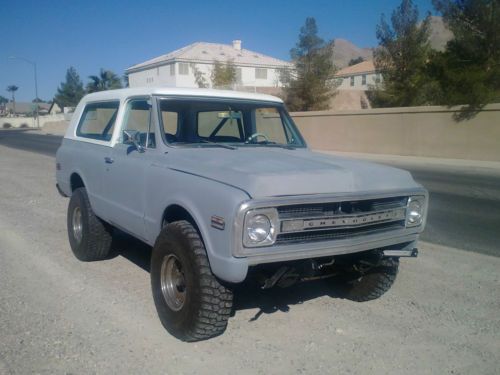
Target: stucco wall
column 17, row 122
column 415, row 131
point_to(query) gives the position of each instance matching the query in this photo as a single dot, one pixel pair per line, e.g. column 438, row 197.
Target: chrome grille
column 336, row 234
column 336, row 220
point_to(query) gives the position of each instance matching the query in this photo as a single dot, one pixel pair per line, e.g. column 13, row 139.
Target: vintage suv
column 223, row 187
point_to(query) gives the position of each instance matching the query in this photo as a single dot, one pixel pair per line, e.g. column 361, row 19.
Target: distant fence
column 413, row 131
column 28, row 122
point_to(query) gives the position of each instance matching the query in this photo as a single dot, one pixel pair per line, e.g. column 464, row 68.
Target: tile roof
column 362, row 67
column 208, row 52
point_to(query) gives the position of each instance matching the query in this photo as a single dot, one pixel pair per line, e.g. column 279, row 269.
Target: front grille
column 339, row 220
column 347, row 207
column 336, row 234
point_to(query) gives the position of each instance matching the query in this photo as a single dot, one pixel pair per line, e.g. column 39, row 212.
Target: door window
column 138, row 118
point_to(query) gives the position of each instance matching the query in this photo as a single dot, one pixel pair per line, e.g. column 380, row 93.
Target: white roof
column 178, row 91
column 202, row 52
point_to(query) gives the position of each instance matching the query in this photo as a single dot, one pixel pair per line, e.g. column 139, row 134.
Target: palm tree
column 12, row 89
column 106, row 80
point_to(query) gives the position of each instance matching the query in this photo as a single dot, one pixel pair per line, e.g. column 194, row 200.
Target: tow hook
column 412, row 253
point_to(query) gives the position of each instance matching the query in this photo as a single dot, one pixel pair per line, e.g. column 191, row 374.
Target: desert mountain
column 344, row 50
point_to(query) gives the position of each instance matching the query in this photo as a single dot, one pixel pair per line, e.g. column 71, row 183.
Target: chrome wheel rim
column 77, row 224
column 173, row 284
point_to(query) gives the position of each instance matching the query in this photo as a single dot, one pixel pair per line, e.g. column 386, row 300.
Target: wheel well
column 76, row 181
column 175, row 213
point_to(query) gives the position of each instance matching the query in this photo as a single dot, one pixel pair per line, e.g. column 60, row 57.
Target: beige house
column 254, row 71
column 359, row 76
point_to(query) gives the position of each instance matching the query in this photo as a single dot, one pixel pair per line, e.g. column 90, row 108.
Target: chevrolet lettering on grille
column 349, row 220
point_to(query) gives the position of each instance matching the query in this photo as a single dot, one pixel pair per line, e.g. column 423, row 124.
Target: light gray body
column 135, row 190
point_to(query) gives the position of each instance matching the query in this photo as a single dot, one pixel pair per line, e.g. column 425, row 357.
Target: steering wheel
column 257, row 135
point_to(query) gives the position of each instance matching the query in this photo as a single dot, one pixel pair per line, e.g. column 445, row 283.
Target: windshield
column 204, row 122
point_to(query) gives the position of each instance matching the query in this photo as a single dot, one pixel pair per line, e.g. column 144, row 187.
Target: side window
column 138, row 117
column 268, row 122
column 98, row 120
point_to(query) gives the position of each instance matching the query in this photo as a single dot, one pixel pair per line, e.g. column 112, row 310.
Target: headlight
column 260, row 227
column 415, row 211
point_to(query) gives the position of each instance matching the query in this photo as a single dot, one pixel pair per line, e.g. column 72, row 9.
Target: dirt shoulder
column 58, row 315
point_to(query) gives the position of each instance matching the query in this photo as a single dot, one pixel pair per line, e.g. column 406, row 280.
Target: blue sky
column 117, row 34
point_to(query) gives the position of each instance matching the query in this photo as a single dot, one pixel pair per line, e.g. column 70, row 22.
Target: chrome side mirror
column 133, row 137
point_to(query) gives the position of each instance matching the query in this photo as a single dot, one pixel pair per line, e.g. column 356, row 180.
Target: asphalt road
column 62, row 316
column 464, row 210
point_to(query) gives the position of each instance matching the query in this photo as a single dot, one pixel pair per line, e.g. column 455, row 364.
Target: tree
column 3, row 100
column 12, row 89
column 106, row 80
column 71, row 91
column 126, row 81
column 312, row 85
column 199, row 76
column 469, row 70
column 223, row 74
column 355, row 61
column 402, row 58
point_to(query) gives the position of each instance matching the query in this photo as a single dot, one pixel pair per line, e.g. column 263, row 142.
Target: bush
column 24, row 125
column 6, row 125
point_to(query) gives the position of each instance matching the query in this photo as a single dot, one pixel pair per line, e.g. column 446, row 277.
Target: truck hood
column 267, row 172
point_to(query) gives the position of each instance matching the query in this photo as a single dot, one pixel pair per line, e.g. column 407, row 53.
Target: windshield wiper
column 271, row 144
column 218, row 144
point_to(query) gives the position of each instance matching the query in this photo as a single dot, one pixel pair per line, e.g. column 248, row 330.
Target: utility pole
column 36, row 85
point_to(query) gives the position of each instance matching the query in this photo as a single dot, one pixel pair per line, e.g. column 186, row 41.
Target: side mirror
column 133, row 137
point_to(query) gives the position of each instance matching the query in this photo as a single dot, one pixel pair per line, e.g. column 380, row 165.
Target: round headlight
column 258, row 228
column 415, row 211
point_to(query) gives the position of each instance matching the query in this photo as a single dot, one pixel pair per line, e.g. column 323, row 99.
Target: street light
column 36, row 84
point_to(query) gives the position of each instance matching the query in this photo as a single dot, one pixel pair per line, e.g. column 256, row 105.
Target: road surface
column 62, row 316
column 464, row 209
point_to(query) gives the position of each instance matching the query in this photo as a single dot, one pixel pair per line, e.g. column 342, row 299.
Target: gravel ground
column 60, row 316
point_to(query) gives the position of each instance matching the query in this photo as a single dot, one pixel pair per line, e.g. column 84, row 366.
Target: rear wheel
column 360, row 283
column 89, row 237
column 191, row 302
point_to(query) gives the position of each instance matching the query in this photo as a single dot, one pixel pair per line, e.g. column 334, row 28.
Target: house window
column 238, row 75
column 260, row 73
column 172, row 69
column 363, row 79
column 184, row 69
column 352, row 81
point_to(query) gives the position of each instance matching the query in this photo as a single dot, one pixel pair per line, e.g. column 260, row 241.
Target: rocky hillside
column 344, row 50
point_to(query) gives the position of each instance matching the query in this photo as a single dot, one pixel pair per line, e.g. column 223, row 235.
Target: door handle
column 108, row 160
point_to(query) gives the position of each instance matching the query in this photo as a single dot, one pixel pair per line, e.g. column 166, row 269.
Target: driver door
column 125, row 185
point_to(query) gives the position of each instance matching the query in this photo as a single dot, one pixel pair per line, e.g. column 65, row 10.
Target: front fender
column 202, row 198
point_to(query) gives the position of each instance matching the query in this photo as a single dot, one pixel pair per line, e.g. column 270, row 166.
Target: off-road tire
column 96, row 235
column 208, row 303
column 371, row 285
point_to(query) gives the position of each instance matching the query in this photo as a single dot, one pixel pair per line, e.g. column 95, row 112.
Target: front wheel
column 191, row 302
column 367, row 284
